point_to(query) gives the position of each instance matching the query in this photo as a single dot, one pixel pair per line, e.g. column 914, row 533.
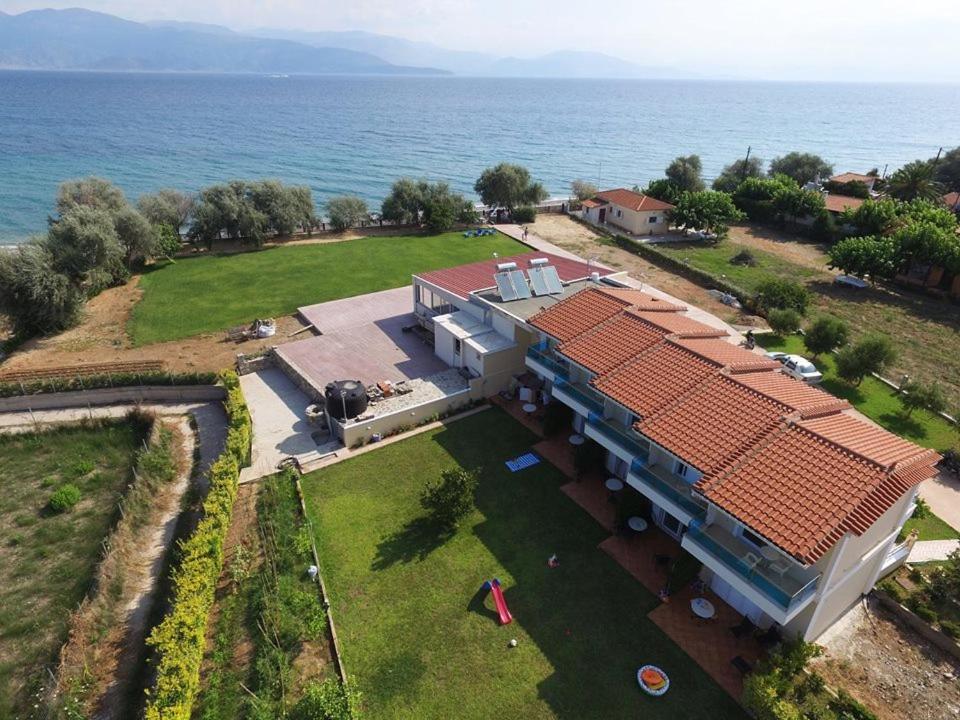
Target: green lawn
column 715, row 259
column 873, row 399
column 930, row 528
column 215, row 292
column 422, row 641
column 47, row 561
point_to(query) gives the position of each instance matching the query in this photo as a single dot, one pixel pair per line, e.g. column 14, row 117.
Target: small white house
column 634, row 212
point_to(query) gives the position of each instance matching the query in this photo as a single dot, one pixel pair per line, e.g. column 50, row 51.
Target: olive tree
column 825, row 335
column 509, row 186
column 33, row 295
column 870, row 355
column 583, row 190
column 685, row 173
column 346, row 211
column 802, row 167
column 706, row 210
column 736, row 172
column 92, row 192
column 167, row 207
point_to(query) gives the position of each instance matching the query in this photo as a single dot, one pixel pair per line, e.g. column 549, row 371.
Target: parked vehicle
column 798, row 366
column 851, row 281
column 700, row 234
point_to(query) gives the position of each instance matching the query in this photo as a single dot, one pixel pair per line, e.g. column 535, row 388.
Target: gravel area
column 889, row 668
column 432, row 387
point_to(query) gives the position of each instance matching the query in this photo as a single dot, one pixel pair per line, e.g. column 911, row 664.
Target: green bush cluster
column 64, row 498
column 179, row 640
column 96, row 382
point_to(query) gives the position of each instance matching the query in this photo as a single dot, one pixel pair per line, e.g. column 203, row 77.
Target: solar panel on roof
column 520, row 284
column 554, row 286
column 538, row 281
column 505, row 285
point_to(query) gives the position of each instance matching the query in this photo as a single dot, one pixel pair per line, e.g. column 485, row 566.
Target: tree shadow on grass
column 901, row 424
column 414, row 541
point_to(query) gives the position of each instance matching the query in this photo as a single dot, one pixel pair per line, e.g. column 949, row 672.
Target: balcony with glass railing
column 621, row 441
column 780, row 595
column 545, row 362
column 670, row 492
column 580, row 396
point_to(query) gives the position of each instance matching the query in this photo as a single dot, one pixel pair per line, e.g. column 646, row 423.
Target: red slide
column 502, row 609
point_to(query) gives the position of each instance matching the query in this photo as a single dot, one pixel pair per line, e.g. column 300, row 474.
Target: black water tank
column 346, row 399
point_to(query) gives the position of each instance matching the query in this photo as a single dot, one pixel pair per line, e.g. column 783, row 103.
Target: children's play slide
column 502, row 610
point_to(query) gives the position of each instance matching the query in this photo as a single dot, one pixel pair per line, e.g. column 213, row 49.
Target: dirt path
column 581, row 240
column 101, row 337
column 143, row 573
column 888, row 668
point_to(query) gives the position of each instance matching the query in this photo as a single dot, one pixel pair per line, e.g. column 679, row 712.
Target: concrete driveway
column 942, row 493
column 280, row 427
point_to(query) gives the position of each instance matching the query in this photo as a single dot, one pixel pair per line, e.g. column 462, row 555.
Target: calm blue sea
column 355, row 135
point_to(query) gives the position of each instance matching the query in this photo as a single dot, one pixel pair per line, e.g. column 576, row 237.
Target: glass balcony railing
column 590, row 399
column 677, row 491
column 548, row 360
column 611, row 430
column 785, row 592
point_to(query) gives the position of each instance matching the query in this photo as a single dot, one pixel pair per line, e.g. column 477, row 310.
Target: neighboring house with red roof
column 791, row 500
column 634, row 212
column 952, row 201
column 837, row 204
column 847, row 177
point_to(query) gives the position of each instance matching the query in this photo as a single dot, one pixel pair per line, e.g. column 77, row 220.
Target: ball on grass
column 513, row 642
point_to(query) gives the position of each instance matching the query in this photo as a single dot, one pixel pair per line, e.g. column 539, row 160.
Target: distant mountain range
column 78, row 39
column 84, row 40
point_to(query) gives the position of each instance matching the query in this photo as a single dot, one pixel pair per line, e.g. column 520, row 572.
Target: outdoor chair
column 780, row 568
column 742, row 666
column 750, row 560
column 745, row 628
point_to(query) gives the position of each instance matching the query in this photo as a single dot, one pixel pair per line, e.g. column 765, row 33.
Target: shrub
column 180, row 638
column 450, row 499
column 825, row 335
column 893, row 589
column 922, row 510
column 64, row 498
column 329, row 700
column 784, row 322
column 792, row 656
column 950, row 628
column 846, row 708
column 745, row 257
column 525, row 214
column 776, row 293
column 813, row 684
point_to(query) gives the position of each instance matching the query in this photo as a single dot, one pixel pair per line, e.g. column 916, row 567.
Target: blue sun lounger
column 522, row 462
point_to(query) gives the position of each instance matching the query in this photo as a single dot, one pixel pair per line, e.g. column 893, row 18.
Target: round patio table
column 614, row 484
column 576, row 439
column 637, row 524
column 702, row 608
column 529, row 408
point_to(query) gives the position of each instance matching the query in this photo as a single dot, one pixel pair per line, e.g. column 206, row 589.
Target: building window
column 456, row 346
column 653, row 219
column 681, row 468
column 619, row 213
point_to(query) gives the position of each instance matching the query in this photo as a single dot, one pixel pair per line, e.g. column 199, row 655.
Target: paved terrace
column 362, row 339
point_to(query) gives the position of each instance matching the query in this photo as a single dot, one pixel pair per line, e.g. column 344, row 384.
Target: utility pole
column 599, row 172
column 743, row 170
column 937, row 159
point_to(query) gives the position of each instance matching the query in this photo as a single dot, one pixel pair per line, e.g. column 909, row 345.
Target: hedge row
column 179, row 640
column 96, row 382
column 669, row 262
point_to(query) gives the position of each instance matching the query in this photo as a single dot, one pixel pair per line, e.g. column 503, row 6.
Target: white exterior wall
column 444, row 345
column 634, row 222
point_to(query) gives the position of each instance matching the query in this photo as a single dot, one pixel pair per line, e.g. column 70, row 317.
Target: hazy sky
column 812, row 39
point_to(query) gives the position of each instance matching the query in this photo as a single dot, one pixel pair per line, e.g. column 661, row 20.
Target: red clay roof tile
column 577, row 314
column 632, row 200
column 725, row 354
column 465, row 279
column 806, row 399
column 613, row 343
column 865, row 439
column 716, row 421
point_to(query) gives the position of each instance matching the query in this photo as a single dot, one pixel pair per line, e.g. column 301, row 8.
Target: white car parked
column 798, row 366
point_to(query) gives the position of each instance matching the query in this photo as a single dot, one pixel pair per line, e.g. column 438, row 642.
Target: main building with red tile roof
column 791, row 499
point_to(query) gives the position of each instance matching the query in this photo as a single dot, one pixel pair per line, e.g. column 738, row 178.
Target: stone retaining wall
column 112, row 396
